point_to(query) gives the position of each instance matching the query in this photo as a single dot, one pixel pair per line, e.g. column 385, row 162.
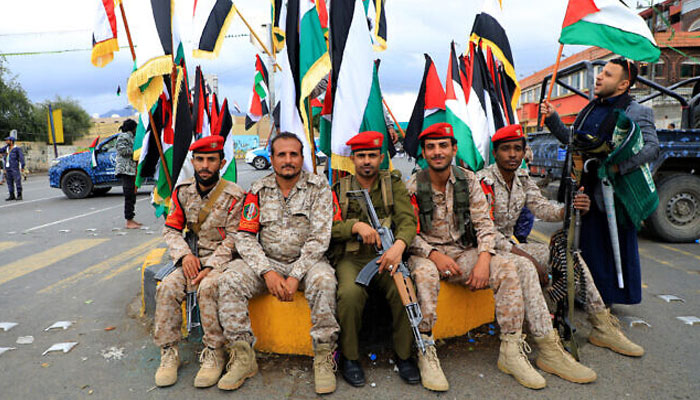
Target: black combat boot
column 11, row 197
column 19, row 196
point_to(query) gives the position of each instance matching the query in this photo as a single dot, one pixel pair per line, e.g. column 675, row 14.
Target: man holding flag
column 597, row 121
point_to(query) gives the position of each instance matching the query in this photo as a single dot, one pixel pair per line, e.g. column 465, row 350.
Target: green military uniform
column 349, row 256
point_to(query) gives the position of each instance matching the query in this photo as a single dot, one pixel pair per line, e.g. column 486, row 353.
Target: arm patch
column 490, row 196
column 416, row 211
column 176, row 218
column 250, row 216
column 337, row 214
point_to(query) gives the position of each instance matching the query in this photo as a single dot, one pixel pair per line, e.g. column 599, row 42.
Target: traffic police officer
column 13, row 167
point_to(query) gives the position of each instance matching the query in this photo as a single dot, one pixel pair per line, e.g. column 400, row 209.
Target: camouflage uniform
column 216, row 250
column 293, row 235
column 506, row 209
column 444, row 237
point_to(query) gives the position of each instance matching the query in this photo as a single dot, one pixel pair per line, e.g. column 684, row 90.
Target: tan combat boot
column 166, row 375
column 512, row 359
column 212, row 363
column 554, row 359
column 324, row 369
column 607, row 333
column 241, row 365
column 431, row 375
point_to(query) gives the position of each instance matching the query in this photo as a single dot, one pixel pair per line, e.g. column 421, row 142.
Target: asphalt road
column 72, row 260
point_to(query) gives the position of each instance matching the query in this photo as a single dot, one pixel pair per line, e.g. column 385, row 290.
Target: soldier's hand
column 479, row 277
column 276, row 285
column 582, row 202
column 392, row 257
column 292, row 284
column 445, row 264
column 367, row 233
column 546, row 108
column 190, row 266
column 201, row 275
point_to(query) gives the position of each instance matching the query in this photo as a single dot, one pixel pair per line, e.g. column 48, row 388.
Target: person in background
column 125, row 169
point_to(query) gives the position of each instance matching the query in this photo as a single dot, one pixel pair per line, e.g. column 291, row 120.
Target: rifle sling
column 206, row 209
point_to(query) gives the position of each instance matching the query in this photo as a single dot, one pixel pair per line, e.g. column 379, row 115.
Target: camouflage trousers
column 170, row 294
column 503, row 280
column 540, row 252
column 239, row 283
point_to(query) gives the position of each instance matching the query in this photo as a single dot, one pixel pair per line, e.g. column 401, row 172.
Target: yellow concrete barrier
column 284, row 327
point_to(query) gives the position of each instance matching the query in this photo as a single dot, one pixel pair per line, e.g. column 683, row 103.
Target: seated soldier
column 512, row 189
column 284, row 232
column 209, row 208
column 456, row 243
column 351, row 224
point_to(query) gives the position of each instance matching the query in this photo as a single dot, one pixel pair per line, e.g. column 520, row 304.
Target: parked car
column 259, row 157
column 74, row 174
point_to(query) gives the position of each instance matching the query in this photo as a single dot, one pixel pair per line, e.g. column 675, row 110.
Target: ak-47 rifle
column 191, row 306
column 402, row 277
column 564, row 313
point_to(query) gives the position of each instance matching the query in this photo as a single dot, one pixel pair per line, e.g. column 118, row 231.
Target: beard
column 288, row 176
column 206, row 182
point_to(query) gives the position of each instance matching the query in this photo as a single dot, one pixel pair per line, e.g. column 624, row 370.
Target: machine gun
column 191, row 306
column 402, row 277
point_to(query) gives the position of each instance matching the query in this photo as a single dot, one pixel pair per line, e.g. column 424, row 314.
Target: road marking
column 126, row 267
column 540, row 236
column 687, row 253
column 8, row 245
column 153, row 257
column 19, row 203
column 645, row 253
column 77, row 216
column 103, row 266
column 45, row 258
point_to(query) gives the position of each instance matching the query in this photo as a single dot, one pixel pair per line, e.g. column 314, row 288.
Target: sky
column 63, row 31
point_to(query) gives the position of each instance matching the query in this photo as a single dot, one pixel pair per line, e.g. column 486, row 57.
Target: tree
column 76, row 121
column 15, row 107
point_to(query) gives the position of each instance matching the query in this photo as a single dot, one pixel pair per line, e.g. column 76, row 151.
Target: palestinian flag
column 488, row 33
column 145, row 150
column 306, row 28
column 210, row 22
column 478, row 101
column 104, row 34
column 609, row 24
column 278, row 13
column 223, row 127
column 376, row 18
column 200, row 106
column 429, row 108
column 350, row 96
column 93, row 157
column 154, row 42
column 258, row 104
column 456, row 113
column 373, row 119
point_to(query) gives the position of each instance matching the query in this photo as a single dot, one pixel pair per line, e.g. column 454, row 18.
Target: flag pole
column 554, row 78
column 393, row 118
column 255, row 35
column 312, row 142
column 150, row 116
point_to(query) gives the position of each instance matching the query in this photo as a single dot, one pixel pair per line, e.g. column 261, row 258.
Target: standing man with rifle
column 593, row 130
column 510, row 188
column 209, row 210
column 284, row 232
column 457, row 243
column 355, row 243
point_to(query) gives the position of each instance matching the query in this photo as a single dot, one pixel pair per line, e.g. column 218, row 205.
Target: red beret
column 208, row 144
column 369, row 140
column 508, row 133
column 440, row 130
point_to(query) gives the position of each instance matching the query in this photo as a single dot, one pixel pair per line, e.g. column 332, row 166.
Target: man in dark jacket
column 13, row 167
column 597, row 119
column 125, row 169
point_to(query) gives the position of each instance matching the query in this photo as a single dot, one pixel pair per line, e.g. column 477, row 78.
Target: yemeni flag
column 93, row 157
column 145, row 150
column 210, row 21
column 154, row 41
column 609, row 24
column 258, row 103
column 349, row 95
column 429, row 108
column 489, row 34
column 306, row 28
column 376, row 18
column 478, row 101
column 456, row 113
column 373, row 118
column 104, row 34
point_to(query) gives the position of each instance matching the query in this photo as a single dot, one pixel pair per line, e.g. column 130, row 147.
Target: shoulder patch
column 337, row 214
column 250, row 216
column 416, row 211
column 487, row 187
column 176, row 216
